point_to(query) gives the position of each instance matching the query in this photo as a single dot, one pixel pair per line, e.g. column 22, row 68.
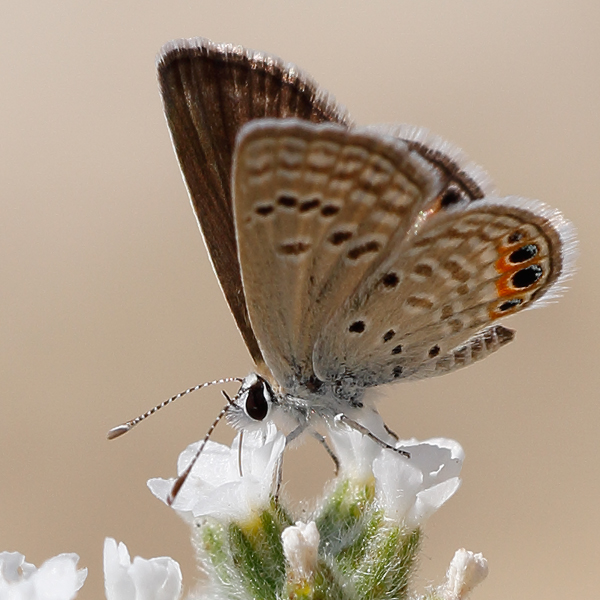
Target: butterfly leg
column 362, row 429
column 392, row 433
column 279, row 475
column 321, row 439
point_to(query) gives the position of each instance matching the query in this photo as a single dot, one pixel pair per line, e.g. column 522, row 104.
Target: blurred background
column 109, row 304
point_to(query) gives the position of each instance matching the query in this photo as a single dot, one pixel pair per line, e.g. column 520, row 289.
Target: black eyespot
column 257, row 406
column 514, row 237
column 357, row 327
column 388, row 335
column 510, row 304
column 523, row 254
column 390, row 280
column 287, row 201
column 434, row 351
column 397, row 349
column 527, row 276
column 451, row 196
column 397, row 371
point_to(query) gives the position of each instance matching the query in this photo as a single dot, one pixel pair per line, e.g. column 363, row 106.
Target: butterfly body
column 350, row 257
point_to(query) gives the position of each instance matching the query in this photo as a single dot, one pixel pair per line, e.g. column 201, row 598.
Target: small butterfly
column 349, row 257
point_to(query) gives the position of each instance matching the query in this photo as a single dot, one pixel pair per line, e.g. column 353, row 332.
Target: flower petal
column 57, row 579
column 224, row 483
column 408, row 489
column 301, row 547
column 466, row 571
column 152, row 579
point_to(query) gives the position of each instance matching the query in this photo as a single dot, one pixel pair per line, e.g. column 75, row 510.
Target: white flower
column 57, row 579
column 355, row 452
column 301, row 547
column 466, row 570
column 408, row 489
column 412, row 489
column 153, row 579
column 225, row 484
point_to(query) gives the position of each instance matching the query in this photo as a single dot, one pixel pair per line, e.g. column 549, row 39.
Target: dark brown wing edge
column 209, row 91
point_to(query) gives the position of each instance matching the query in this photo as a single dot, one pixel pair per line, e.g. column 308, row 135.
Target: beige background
column 109, row 305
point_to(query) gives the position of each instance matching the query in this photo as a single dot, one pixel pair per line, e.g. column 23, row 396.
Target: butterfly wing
column 368, row 259
column 209, row 92
column 317, row 207
column 432, row 305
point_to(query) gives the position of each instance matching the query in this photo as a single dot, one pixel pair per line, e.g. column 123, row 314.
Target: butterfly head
column 260, row 402
column 253, row 405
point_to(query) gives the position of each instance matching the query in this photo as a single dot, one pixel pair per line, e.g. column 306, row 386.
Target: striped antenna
column 119, row 430
column 181, row 479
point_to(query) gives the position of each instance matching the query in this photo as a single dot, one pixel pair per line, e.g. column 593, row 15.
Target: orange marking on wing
column 504, row 286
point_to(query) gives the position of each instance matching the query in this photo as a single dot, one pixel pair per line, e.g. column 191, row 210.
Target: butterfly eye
column 256, row 404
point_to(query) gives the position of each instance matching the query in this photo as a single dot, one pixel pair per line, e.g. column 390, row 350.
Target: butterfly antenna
column 181, row 479
column 119, row 430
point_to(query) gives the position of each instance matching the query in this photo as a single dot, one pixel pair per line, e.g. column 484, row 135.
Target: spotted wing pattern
column 209, row 92
column 366, row 259
column 317, row 208
column 431, row 305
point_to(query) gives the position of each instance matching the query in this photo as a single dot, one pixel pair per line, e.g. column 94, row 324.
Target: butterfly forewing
column 209, row 92
column 317, row 209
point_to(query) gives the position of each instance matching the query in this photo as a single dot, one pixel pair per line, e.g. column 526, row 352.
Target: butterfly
column 350, row 257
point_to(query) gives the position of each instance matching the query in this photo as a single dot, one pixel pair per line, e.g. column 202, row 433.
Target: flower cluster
column 362, row 540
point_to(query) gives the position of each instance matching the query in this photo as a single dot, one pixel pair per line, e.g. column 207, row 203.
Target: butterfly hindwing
column 209, row 92
column 461, row 269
